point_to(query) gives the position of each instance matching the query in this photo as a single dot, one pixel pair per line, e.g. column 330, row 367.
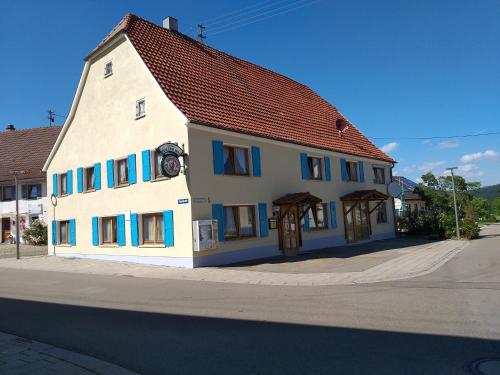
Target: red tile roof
column 27, row 150
column 215, row 89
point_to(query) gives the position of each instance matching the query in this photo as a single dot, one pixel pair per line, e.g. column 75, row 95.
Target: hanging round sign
column 170, row 165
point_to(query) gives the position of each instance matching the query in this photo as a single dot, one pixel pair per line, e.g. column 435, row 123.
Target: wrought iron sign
column 171, row 166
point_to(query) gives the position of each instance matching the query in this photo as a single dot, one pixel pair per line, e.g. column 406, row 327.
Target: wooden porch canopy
column 304, row 201
column 364, row 195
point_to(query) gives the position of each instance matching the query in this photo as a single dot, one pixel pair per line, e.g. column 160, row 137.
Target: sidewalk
column 23, row 356
column 412, row 262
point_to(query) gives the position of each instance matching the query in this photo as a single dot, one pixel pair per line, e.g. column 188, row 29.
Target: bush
column 36, row 234
column 469, row 229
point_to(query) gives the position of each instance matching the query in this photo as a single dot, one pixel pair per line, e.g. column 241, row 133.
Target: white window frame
column 115, row 171
column 357, row 170
column 374, row 166
column 85, row 185
column 138, row 114
column 106, row 73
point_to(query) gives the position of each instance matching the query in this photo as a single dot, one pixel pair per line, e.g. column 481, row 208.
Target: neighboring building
column 410, row 202
column 260, row 150
column 24, row 150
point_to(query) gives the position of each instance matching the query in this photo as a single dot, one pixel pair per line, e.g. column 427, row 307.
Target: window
column 315, row 168
column 352, row 170
column 382, row 213
column 321, row 210
column 63, row 182
column 152, row 228
column 8, row 193
column 236, row 161
column 108, row 69
column 89, row 179
column 379, row 174
column 32, row 191
column 64, row 232
column 122, row 172
column 108, row 230
column 157, row 172
column 239, row 222
column 140, row 108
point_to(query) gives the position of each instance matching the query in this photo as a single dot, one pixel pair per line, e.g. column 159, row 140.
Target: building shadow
column 156, row 343
column 341, row 252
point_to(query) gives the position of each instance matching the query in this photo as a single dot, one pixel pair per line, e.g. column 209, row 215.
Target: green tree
column 495, row 206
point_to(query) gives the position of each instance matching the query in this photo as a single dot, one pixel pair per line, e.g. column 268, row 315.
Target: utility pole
column 16, row 174
column 50, row 116
column 454, row 199
column 201, row 30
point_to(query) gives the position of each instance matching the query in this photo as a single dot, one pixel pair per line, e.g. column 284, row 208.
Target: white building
column 26, row 151
column 266, row 165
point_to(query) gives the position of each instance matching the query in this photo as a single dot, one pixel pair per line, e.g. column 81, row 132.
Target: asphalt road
column 434, row 324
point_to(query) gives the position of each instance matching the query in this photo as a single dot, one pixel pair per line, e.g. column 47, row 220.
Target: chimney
column 171, row 23
column 10, row 128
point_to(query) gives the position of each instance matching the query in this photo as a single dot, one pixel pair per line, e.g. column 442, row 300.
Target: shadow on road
column 340, row 252
column 154, row 343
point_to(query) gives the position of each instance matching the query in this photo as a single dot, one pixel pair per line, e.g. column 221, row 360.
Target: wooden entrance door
column 5, row 228
column 357, row 221
column 289, row 230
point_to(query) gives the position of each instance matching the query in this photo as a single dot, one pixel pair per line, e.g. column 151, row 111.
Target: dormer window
column 108, row 69
column 140, row 108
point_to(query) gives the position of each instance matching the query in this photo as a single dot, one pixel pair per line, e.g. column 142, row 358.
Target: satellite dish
column 394, row 189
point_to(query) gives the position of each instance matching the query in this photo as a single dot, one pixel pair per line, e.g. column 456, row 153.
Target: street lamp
column 454, row 199
column 16, row 174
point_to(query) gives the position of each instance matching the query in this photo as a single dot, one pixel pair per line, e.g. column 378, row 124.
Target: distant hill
column 488, row 192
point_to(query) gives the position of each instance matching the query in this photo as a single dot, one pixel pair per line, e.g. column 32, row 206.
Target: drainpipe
column 393, row 208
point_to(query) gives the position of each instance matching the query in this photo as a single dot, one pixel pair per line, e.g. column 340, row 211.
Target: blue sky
column 395, row 68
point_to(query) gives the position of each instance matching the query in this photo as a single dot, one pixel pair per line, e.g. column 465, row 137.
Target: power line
column 226, row 28
column 234, row 12
column 440, row 137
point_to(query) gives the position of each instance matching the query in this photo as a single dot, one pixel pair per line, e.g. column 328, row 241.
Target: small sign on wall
column 183, row 201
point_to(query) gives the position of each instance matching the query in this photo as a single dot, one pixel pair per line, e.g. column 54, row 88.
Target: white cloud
column 468, row 170
column 409, row 169
column 431, row 166
column 448, row 144
column 488, row 154
column 390, row 147
column 426, row 142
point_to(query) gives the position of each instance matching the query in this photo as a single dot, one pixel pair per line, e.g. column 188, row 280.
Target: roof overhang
column 297, row 198
column 364, row 195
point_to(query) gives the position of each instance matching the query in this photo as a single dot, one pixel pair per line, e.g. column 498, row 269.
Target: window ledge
column 121, row 186
column 88, row 191
column 139, row 117
column 152, row 246
column 108, row 75
column 159, row 179
column 109, row 246
column 63, row 245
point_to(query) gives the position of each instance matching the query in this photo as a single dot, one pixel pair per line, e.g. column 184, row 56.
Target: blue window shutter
column 95, row 231
column 218, row 156
column 69, row 181
column 79, row 179
column 120, row 230
column 97, row 176
column 361, row 171
column 72, row 232
column 134, row 230
column 54, row 232
column 54, row 185
column 306, row 174
column 256, row 161
column 333, row 215
column 132, row 171
column 343, row 169
column 168, row 230
column 306, row 222
column 328, row 170
column 146, row 165
column 110, row 166
column 218, row 214
column 263, row 220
